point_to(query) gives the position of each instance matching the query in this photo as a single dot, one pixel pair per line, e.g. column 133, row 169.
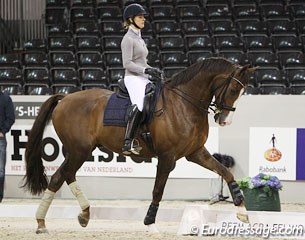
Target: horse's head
column 227, row 89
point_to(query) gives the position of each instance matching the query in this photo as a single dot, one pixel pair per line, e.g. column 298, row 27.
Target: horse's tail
column 35, row 178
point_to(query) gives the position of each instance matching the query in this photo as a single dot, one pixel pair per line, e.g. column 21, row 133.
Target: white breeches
column 136, row 88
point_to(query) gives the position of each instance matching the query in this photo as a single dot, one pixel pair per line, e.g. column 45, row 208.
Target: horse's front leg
column 205, row 159
column 163, row 170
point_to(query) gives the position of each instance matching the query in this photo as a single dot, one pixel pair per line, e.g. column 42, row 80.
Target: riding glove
column 155, row 74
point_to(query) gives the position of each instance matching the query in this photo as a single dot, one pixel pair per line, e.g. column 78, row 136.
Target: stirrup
column 134, row 147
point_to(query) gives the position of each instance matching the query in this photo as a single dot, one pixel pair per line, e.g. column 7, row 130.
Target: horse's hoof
column 243, row 217
column 152, row 228
column 83, row 221
column 41, row 230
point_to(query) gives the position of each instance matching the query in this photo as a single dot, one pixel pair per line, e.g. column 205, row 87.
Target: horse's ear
column 248, row 68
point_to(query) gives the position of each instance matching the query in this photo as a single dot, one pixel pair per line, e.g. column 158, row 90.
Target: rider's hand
column 155, row 74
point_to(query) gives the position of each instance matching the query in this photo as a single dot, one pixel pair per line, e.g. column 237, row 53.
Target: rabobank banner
column 102, row 162
column 277, row 151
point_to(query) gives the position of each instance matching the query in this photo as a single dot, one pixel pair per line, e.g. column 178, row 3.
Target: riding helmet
column 133, row 10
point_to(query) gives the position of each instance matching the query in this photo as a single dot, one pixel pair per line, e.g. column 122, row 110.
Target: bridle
column 214, row 106
column 217, row 107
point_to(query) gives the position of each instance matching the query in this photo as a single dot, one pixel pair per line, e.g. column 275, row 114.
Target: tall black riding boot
column 132, row 126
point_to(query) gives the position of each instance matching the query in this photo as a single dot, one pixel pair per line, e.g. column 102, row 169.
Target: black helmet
column 133, row 10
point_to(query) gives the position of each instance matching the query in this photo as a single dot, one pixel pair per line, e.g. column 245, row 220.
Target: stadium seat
column 171, row 71
column 173, row 59
column 200, row 43
column 57, row 3
column 93, row 77
column 250, row 27
column 295, row 77
column 64, row 77
column 55, row 15
column 164, row 12
column 115, row 74
column 10, row 61
column 153, row 59
column 246, row 12
column 194, row 27
column 108, row 3
column 88, row 43
column 112, row 43
column 61, row 44
column 63, row 59
column 229, row 43
column 219, row 12
column 274, row 90
column 59, row 30
column 35, row 59
column 298, row 11
column 235, row 57
column 109, row 13
column 38, row 44
column 162, row 2
column 292, row 60
column 90, row 59
column 11, row 77
column 11, row 89
column 82, row 3
column 282, row 27
column 36, row 76
column 37, row 90
column 114, row 59
column 300, row 25
column 274, row 12
column 251, row 90
column 113, row 28
column 86, row 29
column 189, row 12
column 258, row 43
column 195, row 56
column 239, row 3
column 82, row 14
column 65, row 89
column 287, row 43
column 167, row 28
column 223, row 28
column 264, row 59
column 270, row 77
column 171, row 43
column 152, row 43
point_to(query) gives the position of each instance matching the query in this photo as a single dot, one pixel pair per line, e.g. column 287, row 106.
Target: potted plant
column 261, row 192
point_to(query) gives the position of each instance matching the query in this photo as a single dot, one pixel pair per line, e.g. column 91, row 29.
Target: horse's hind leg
column 204, row 158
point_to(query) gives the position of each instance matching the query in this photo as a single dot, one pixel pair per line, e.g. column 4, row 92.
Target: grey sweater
column 134, row 53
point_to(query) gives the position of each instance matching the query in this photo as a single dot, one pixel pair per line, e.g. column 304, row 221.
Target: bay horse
column 180, row 129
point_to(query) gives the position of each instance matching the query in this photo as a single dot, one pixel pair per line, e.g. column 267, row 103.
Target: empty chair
column 61, row 44
column 223, row 27
column 37, row 90
column 115, row 74
column 35, row 76
column 57, row 3
column 153, row 59
column 35, row 45
column 152, row 43
column 281, row 27
column 250, row 27
column 112, row 43
column 189, row 12
column 113, row 28
column 11, row 89
column 274, row 90
column 274, row 12
column 58, row 89
column 292, row 60
column 195, row 27
column 109, row 13
column 55, row 15
column 200, row 43
column 235, row 57
column 173, row 59
column 148, row 29
column 295, row 77
column 271, row 2
column 196, row 56
column 11, row 77
column 59, row 30
column 64, row 77
column 219, row 12
column 171, row 43
column 246, row 12
column 236, row 3
column 82, row 3
column 88, row 43
column 63, row 59
column 86, row 28
column 90, row 59
column 111, row 3
column 287, row 43
column 93, row 77
column 114, row 59
column 258, row 43
column 10, row 61
column 35, row 59
column 229, row 43
column 251, row 90
column 164, row 12
column 264, row 59
column 79, row 14
column 215, row 2
column 298, row 11
column 270, row 77
column 300, row 25
column 297, row 90
column 167, row 28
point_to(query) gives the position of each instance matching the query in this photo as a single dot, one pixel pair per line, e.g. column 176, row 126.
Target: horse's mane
column 213, row 64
